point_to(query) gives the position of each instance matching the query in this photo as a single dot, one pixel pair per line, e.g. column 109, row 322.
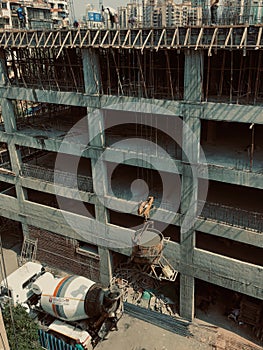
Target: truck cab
column 70, row 334
column 17, row 286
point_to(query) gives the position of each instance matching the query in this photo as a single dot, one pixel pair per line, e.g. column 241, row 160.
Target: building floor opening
column 236, row 312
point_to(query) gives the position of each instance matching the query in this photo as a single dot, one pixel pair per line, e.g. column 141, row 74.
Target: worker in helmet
column 21, row 16
column 145, row 207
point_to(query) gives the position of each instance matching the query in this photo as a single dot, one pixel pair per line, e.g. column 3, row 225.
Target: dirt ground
column 134, row 334
column 210, row 330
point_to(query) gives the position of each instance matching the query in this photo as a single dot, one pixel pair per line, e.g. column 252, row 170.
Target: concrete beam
column 6, row 176
column 130, row 157
column 49, row 187
column 229, row 273
column 230, row 232
column 113, row 203
column 233, row 113
column 118, row 204
column 9, row 203
column 233, row 176
column 209, row 110
column 92, row 231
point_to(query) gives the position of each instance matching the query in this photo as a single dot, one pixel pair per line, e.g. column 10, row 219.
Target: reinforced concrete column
column 9, row 118
column 3, row 69
column 100, row 185
column 91, row 69
column 193, row 75
column 193, row 81
column 189, row 203
column 92, row 79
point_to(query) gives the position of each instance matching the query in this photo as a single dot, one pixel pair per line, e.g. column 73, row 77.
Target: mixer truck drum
column 93, row 303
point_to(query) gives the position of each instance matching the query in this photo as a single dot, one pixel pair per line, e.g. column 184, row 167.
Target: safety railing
column 232, row 216
column 61, row 178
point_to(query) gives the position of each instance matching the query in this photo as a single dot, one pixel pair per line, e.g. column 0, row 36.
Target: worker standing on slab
column 64, row 22
column 21, row 16
column 213, row 9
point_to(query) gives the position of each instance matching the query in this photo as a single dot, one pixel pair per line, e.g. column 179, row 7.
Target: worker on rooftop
column 21, row 16
column 213, row 8
column 64, row 22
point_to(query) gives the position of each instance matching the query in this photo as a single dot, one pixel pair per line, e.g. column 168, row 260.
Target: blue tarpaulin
column 94, row 16
column 49, row 342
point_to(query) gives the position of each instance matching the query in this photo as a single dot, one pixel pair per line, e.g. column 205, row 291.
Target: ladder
column 29, row 250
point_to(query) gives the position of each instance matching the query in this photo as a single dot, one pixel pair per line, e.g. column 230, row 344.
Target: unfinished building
column 95, row 121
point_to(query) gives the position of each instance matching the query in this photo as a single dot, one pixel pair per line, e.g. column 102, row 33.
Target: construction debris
column 141, row 290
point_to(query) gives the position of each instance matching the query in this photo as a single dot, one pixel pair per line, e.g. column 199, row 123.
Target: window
column 88, row 249
column 30, row 280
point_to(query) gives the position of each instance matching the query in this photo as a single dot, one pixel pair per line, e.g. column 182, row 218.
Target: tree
column 22, row 333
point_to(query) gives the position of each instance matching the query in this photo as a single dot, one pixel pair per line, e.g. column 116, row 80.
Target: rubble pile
column 141, row 290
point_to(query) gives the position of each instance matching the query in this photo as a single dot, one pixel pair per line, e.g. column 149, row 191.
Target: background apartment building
column 37, row 14
column 130, row 15
column 170, row 13
column 60, row 9
column 195, row 12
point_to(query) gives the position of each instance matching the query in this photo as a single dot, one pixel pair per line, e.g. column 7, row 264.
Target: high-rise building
column 170, row 13
column 130, row 15
column 37, row 14
column 59, row 9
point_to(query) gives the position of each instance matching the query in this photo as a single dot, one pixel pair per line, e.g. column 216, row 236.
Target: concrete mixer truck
column 74, row 300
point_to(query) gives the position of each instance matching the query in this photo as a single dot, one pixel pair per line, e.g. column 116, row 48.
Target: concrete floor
column 233, row 156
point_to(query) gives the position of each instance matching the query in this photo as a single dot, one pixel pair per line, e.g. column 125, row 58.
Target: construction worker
column 213, row 9
column 21, row 16
column 145, row 207
column 64, row 22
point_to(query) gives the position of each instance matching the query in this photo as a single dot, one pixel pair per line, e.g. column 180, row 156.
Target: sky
column 80, row 5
